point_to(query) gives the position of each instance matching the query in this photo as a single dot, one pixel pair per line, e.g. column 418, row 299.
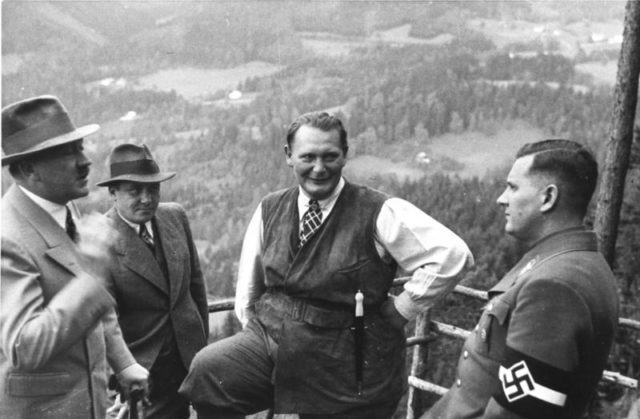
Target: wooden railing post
column 415, row 405
column 618, row 146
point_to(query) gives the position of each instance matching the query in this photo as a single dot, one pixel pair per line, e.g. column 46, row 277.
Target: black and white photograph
column 320, row 209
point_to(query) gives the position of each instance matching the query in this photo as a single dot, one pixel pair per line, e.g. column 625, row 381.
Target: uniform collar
column 568, row 240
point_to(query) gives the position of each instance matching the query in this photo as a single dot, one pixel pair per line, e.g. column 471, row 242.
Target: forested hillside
column 397, row 99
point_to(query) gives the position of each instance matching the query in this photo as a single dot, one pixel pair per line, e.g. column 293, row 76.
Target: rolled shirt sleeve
column 432, row 254
column 420, row 245
column 250, row 284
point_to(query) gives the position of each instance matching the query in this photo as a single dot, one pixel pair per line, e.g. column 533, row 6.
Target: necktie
column 146, row 237
column 311, row 221
column 70, row 227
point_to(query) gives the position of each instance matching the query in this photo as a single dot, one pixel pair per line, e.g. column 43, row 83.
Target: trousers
column 233, row 377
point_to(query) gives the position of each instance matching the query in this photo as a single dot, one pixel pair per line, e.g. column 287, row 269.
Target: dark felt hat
column 133, row 163
column 36, row 124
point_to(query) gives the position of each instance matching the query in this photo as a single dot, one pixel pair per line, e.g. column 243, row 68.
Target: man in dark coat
column 156, row 278
column 322, row 338
column 543, row 340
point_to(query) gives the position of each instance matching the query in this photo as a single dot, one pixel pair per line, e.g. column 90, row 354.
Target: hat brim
column 69, row 137
column 155, row 178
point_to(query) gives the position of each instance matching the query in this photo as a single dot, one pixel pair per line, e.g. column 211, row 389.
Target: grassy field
column 480, row 152
column 601, row 73
column 194, row 82
column 467, row 154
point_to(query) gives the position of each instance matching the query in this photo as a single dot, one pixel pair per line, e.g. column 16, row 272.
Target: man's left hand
column 134, row 377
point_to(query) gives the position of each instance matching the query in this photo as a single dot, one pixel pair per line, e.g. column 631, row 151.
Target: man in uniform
column 322, row 337
column 57, row 318
column 543, row 340
column 156, row 278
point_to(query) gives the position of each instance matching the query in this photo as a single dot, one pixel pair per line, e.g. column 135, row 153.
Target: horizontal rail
column 629, row 323
column 617, row 378
column 484, row 296
column 221, row 305
column 427, row 386
column 458, row 333
column 450, row 330
column 227, row 305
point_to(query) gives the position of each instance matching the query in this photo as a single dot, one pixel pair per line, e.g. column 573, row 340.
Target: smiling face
column 136, row 202
column 62, row 173
column 523, row 201
column 317, row 159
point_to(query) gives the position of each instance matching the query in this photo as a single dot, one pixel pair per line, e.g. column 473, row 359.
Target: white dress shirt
column 57, row 211
column 136, row 226
column 423, row 248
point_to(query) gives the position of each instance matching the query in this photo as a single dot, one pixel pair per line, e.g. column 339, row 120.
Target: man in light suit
column 57, row 318
column 157, row 281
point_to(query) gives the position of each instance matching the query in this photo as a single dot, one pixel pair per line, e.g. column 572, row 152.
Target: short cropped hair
column 570, row 164
column 320, row 120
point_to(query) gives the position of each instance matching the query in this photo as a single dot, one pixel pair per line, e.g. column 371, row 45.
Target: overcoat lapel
column 135, row 254
column 170, row 237
column 61, row 248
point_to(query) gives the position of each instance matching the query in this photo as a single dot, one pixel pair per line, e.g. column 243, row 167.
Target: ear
column 28, row 170
column 550, row 197
column 287, row 153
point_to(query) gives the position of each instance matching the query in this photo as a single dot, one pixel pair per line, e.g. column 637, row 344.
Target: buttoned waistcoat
column 315, row 369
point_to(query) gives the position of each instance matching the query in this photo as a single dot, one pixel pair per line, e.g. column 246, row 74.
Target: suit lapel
column 61, row 248
column 170, row 237
column 135, row 254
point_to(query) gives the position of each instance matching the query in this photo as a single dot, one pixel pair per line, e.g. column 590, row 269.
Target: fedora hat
column 133, row 163
column 36, row 124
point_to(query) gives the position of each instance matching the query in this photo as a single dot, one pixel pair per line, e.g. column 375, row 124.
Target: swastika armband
column 531, row 388
column 517, row 382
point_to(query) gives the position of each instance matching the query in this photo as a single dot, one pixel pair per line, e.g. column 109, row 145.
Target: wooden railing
column 424, row 333
column 424, row 326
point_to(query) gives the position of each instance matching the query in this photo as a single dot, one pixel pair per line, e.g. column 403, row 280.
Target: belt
column 278, row 304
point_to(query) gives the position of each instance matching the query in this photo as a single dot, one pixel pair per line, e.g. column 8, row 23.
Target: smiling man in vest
column 322, row 337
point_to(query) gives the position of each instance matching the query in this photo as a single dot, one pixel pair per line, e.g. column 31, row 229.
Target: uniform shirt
column 420, row 245
column 542, row 341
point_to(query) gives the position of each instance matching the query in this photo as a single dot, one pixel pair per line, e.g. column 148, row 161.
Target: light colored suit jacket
column 151, row 305
column 56, row 322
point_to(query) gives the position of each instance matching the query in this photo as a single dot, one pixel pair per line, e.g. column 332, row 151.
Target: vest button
column 465, row 354
column 459, row 382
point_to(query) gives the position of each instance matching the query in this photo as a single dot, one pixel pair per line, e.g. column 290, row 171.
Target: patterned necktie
column 70, row 227
column 146, row 237
column 311, row 221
